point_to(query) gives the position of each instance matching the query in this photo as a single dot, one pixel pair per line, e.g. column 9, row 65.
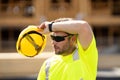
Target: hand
column 44, row 28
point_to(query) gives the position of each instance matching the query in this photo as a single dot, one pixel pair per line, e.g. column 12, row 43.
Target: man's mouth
column 56, row 47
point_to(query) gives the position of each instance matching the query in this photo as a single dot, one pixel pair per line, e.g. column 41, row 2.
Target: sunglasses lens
column 57, row 38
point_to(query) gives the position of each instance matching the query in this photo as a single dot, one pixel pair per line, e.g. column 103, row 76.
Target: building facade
column 102, row 15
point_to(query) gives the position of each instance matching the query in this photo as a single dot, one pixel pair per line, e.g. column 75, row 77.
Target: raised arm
column 82, row 28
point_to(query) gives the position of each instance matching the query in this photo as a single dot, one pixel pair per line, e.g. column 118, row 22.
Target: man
column 75, row 48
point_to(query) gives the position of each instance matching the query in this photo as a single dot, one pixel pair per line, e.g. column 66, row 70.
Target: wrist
column 50, row 26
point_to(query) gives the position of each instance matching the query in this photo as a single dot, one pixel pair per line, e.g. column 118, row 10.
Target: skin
column 81, row 28
column 64, row 47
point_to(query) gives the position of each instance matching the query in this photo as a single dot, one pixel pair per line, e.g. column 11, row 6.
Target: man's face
column 63, row 43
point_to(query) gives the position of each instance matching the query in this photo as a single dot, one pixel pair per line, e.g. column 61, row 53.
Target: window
column 101, row 33
column 107, row 38
column 58, row 4
column 116, row 8
column 67, row 1
column 16, row 8
column 16, row 33
column 9, row 36
column 101, row 7
column 5, row 38
column 54, row 1
column 106, row 7
column 99, row 4
column 4, row 34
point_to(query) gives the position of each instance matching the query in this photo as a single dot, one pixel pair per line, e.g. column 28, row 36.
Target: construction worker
column 76, row 55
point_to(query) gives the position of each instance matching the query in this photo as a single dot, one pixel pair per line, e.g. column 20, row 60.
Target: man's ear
column 74, row 38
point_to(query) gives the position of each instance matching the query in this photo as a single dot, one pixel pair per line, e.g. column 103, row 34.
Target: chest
column 67, row 71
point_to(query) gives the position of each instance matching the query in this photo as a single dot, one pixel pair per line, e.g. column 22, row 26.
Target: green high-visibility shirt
column 79, row 65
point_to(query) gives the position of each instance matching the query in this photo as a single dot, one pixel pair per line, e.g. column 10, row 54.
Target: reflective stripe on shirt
column 47, row 70
column 75, row 57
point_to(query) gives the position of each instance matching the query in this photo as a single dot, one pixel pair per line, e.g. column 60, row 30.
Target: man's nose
column 54, row 42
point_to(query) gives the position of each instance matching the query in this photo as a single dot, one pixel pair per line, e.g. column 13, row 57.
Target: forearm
column 82, row 28
column 73, row 27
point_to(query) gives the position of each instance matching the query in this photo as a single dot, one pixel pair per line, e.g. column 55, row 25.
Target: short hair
column 62, row 19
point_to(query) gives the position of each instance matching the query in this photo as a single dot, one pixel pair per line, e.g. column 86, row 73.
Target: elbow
column 84, row 26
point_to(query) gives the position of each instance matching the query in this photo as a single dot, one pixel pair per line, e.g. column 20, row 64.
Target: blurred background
column 15, row 15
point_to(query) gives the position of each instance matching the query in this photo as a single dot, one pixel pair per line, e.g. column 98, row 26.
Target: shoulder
column 92, row 46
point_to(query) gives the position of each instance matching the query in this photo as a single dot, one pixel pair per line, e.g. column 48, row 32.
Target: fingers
column 43, row 27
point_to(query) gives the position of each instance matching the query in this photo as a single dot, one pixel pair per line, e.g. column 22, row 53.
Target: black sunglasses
column 59, row 38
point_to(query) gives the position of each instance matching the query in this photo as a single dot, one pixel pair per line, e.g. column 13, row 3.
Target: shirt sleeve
column 89, row 56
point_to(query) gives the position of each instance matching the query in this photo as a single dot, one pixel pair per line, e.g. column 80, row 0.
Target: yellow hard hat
column 30, row 41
